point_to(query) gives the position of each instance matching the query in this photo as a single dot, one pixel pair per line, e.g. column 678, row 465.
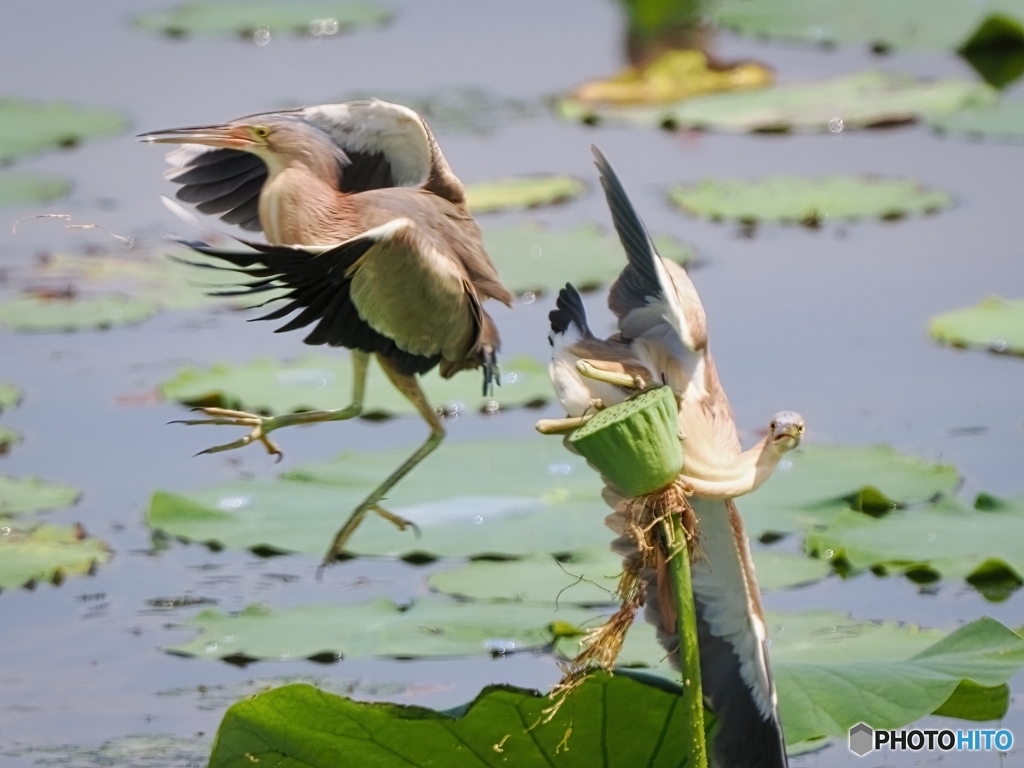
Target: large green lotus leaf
column 522, row 192
column 531, row 258
column 32, row 553
column 325, row 381
column 30, row 127
column 23, row 188
column 883, row 24
column 296, row 17
column 607, row 722
column 10, row 395
column 31, row 494
column 149, row 751
column 38, row 314
column 814, row 484
column 852, row 101
column 946, row 539
column 832, row 672
column 430, row 627
column 791, row 199
column 1001, row 121
column 8, row 439
column 995, row 324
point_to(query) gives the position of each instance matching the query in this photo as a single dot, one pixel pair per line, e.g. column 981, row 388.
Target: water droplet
column 261, row 36
column 559, row 469
column 509, row 378
column 499, row 645
column 211, row 647
column 836, row 125
column 234, row 502
column 529, row 297
column 785, row 465
column 478, row 520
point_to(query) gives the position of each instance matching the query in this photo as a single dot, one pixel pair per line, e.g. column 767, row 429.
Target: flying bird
column 370, row 240
column 662, row 340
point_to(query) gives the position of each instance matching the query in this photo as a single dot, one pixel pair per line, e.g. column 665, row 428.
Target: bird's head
column 786, row 430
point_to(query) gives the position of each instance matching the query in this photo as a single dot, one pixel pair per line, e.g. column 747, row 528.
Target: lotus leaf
column 522, row 192
column 995, row 324
column 531, row 258
column 853, row 101
column 947, row 540
column 245, row 19
column 8, row 439
column 608, row 722
column 813, row 202
column 10, row 395
column 814, row 484
column 322, row 381
column 30, row 127
column 32, row 553
column 46, row 314
column 430, row 627
column 1001, row 121
column 30, row 494
column 23, row 188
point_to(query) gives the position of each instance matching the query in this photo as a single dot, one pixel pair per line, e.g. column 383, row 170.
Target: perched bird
column 369, row 236
column 662, row 339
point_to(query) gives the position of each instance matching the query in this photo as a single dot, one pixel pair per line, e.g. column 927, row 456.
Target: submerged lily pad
column 322, row 381
column 10, row 395
column 31, row 494
column 39, row 314
column 815, row 483
column 531, row 258
column 24, row 188
column 607, row 722
column 882, row 24
column 995, row 324
column 522, row 192
column 245, row 19
column 843, row 103
column 1001, row 121
column 34, row 553
column 945, row 540
column 430, row 627
column 8, row 439
column 791, row 199
column 30, row 127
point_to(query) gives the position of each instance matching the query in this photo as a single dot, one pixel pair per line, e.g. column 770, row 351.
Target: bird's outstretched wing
column 384, row 145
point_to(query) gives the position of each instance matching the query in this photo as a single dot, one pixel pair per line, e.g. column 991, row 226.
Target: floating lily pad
column 882, row 24
column 945, row 540
column 853, row 101
column 30, row 494
column 815, row 483
column 34, row 553
column 24, row 188
column 791, row 199
column 832, row 672
column 430, row 627
column 8, row 439
column 608, row 722
column 244, row 19
column 39, row 314
column 142, row 751
column 10, row 395
column 522, row 192
column 1001, row 121
column 531, row 258
column 322, row 381
column 460, row 110
column 30, row 127
column 995, row 324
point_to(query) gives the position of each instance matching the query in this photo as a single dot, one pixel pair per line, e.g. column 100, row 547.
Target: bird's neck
column 298, row 207
column 727, row 479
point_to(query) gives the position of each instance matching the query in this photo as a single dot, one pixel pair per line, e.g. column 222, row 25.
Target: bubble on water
column 785, row 465
column 559, row 469
column 836, row 125
column 478, row 520
column 261, row 36
column 500, row 645
column 529, row 297
column 234, row 502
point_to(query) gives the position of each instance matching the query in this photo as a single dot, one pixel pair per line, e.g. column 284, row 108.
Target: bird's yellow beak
column 226, row 136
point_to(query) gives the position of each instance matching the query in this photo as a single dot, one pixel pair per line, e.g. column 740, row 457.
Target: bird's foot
column 259, row 425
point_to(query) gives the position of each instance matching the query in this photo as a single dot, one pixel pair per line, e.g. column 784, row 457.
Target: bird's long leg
column 261, row 426
column 409, row 387
column 610, row 373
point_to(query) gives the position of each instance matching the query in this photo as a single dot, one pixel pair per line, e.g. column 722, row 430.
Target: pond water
column 831, row 322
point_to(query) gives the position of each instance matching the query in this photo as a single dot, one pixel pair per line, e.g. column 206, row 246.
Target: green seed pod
column 635, row 444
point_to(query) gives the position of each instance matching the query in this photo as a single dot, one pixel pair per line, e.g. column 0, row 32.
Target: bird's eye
column 260, row 131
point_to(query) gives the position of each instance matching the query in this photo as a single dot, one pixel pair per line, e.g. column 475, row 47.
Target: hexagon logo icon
column 862, row 738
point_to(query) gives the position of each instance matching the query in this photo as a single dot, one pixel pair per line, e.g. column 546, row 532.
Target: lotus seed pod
column 635, row 444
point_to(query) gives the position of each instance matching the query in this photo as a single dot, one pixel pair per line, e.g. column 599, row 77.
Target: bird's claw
column 260, row 425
